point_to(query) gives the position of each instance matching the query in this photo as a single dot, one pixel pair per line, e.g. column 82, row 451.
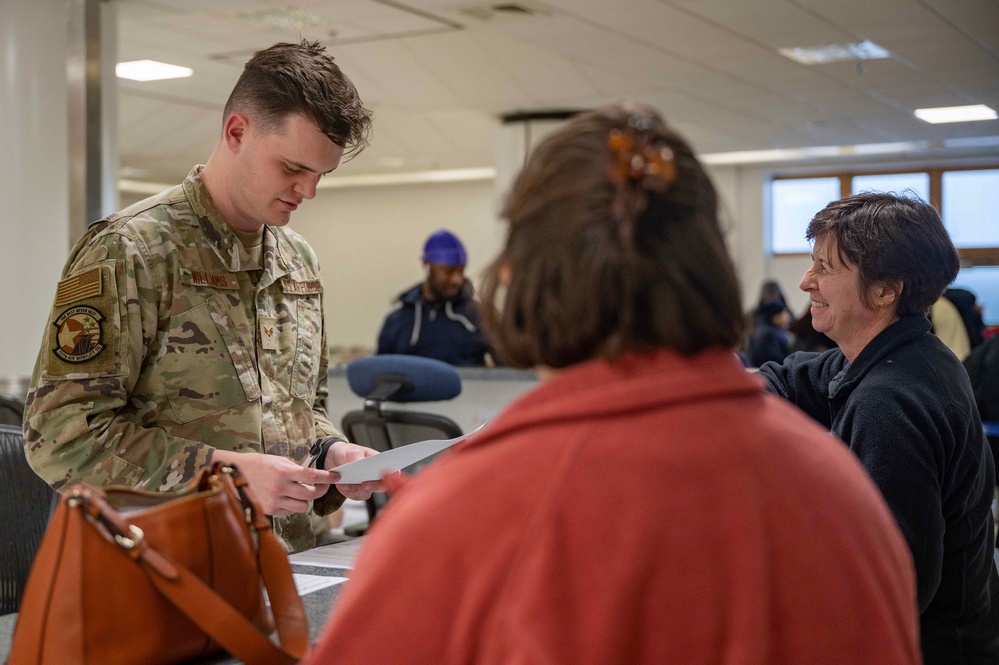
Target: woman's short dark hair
column 599, row 266
column 301, row 78
column 892, row 240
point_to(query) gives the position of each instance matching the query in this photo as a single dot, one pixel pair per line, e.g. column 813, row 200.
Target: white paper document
column 397, row 459
column 305, row 584
column 311, row 583
column 337, row 555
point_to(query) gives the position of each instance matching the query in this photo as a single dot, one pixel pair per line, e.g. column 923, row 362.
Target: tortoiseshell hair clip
column 639, row 158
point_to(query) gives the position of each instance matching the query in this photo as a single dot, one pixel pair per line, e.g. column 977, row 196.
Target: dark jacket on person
column 983, row 369
column 905, row 407
column 446, row 330
column 768, row 343
column 965, row 302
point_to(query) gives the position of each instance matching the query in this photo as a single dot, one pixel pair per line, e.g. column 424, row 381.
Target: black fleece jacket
column 906, row 409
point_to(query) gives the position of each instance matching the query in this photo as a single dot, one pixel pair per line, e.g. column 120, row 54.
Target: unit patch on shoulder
column 79, row 334
column 86, row 326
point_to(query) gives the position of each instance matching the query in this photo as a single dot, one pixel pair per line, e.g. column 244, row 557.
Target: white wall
column 34, row 173
column 369, row 241
column 743, row 200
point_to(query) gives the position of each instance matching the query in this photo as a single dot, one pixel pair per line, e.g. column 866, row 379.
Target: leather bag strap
column 198, row 601
column 215, row 616
column 229, row 628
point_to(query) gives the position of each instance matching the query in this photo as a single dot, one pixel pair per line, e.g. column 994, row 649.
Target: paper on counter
column 337, row 555
column 305, row 584
column 397, row 459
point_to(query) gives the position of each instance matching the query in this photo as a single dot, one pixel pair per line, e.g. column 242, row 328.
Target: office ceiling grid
column 439, row 73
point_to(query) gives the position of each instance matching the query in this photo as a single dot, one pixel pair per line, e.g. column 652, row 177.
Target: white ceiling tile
column 404, row 79
column 438, row 79
column 979, row 19
column 472, row 73
column 546, row 77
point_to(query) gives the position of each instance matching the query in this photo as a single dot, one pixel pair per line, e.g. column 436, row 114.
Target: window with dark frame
column 967, row 198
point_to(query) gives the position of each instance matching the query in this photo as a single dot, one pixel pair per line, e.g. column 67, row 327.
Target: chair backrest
column 25, row 501
column 11, row 410
column 399, row 378
column 397, row 428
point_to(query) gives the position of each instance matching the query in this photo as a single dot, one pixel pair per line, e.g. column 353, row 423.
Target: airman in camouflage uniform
column 171, row 345
column 164, row 364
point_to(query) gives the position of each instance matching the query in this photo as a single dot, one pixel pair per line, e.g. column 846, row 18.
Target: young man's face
column 443, row 281
column 276, row 170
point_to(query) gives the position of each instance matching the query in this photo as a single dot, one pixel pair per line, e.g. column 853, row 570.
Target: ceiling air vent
column 500, row 11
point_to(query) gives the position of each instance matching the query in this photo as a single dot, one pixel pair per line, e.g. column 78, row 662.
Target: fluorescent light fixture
column 820, row 55
column 410, row 178
column 944, row 114
column 392, row 162
column 825, row 152
column 150, row 70
column 285, row 18
column 814, row 152
column 331, row 182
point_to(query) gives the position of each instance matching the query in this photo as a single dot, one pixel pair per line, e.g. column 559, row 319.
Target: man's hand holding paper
column 343, row 453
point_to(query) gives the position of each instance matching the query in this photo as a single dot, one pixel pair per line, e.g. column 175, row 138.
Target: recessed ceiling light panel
column 150, row 70
column 944, row 114
column 285, row 18
column 820, row 55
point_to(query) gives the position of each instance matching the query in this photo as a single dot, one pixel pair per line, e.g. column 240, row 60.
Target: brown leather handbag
column 131, row 577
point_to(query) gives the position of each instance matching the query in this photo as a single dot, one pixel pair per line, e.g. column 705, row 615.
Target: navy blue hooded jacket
column 906, row 409
column 445, row 330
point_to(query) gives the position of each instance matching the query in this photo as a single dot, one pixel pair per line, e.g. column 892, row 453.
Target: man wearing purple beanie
column 438, row 318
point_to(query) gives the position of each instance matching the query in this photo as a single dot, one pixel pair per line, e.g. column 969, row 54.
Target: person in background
column 804, row 337
column 188, row 328
column 439, row 317
column 743, row 533
column 947, row 324
column 971, row 313
column 771, row 293
column 983, row 371
column 904, row 405
column 771, row 340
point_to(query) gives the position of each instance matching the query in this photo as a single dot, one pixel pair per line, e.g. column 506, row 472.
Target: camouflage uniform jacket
column 163, row 346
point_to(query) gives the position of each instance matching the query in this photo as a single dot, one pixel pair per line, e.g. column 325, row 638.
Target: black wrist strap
column 325, row 448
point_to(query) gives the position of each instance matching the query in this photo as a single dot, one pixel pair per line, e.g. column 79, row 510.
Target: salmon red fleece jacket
column 656, row 509
column 905, row 407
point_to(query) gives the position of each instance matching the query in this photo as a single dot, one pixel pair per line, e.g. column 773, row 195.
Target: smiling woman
column 903, row 403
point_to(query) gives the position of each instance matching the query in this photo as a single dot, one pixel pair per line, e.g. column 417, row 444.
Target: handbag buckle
column 134, row 541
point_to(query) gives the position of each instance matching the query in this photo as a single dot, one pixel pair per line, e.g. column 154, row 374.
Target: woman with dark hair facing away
column 903, row 403
column 649, row 503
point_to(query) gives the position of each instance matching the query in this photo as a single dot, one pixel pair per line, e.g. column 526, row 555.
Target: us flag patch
column 78, row 287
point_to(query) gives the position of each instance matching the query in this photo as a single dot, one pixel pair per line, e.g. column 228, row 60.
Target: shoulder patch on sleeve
column 85, row 325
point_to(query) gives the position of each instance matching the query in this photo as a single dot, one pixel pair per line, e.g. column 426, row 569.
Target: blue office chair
column 400, row 379
column 25, row 501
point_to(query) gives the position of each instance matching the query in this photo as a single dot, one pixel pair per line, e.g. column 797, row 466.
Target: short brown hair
column 599, row 268
column 301, row 78
column 891, row 239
